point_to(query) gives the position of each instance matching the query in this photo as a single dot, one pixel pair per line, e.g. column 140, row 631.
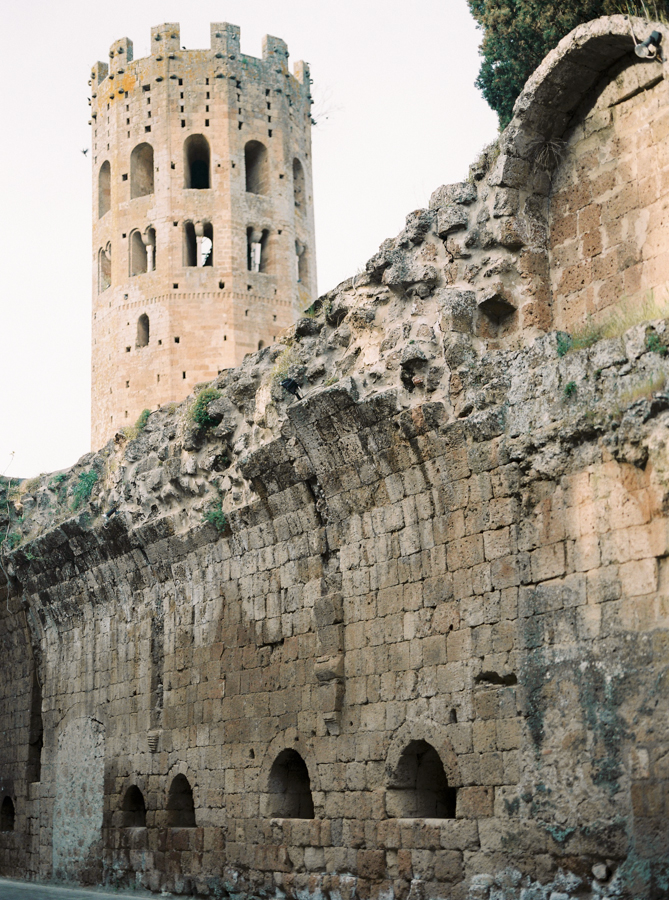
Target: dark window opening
column 183, row 374
column 176, row 340
column 255, row 159
column 180, row 808
column 133, row 808
column 290, row 787
column 198, row 247
column 141, row 170
column 261, row 344
column 419, row 788
column 104, row 189
column 196, row 162
column 298, row 184
column 142, row 331
column 302, row 262
column 124, row 177
column 7, row 815
column 221, row 285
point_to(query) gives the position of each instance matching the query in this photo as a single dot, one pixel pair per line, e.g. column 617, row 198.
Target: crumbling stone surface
column 405, row 637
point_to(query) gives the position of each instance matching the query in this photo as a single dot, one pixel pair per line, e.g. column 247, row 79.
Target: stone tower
column 203, row 230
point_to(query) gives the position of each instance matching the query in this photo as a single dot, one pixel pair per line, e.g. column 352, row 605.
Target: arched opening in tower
column 196, row 162
column 141, row 171
column 298, row 185
column 7, row 815
column 256, row 164
column 138, row 255
column 104, row 268
column 290, row 787
column 301, row 262
column 142, row 331
column 198, row 244
column 104, row 189
column 257, row 250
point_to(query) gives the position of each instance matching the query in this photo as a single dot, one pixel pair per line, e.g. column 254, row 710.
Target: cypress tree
column 517, row 35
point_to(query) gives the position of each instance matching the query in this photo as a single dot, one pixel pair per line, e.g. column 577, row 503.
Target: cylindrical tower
column 203, row 229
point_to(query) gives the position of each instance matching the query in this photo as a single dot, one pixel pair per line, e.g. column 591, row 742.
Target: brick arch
column 433, row 734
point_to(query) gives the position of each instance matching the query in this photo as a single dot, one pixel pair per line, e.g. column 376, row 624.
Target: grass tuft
column 132, row 432
column 199, row 413
column 82, row 490
column 216, row 517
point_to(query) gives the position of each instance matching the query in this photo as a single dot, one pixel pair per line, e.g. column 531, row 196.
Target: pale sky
column 397, row 112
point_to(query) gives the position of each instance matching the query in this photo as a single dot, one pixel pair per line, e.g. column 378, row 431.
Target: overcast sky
column 397, row 113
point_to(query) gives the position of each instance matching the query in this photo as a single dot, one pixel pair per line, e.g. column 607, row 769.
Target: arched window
column 261, row 345
column 104, row 268
column 301, row 263
column 198, row 246
column 138, row 256
column 7, row 815
column 298, row 185
column 256, row 163
column 142, row 331
column 104, row 189
column 180, row 808
column 133, row 808
column 258, row 250
column 196, row 162
column 141, row 170
column 290, row 787
column 419, row 788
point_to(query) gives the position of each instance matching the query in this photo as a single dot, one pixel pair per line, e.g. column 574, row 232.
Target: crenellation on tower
column 202, row 214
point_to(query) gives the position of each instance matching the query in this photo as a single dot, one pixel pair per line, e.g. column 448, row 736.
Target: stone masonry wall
column 406, row 637
column 609, row 201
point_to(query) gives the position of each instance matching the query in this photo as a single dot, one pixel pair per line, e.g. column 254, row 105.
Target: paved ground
column 22, row 890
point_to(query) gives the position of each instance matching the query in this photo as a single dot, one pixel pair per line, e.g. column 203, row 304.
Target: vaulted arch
column 141, row 170
column 256, row 166
column 104, row 189
column 197, row 163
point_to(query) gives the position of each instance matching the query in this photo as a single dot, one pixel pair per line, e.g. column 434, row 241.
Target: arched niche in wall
column 133, row 808
column 289, row 787
column 142, row 331
column 256, row 165
column 418, row 787
column 104, row 189
column 298, row 185
column 197, row 163
column 141, row 170
column 7, row 815
column 104, row 268
column 180, row 806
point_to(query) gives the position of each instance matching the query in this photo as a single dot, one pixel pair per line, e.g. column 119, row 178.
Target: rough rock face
column 405, row 637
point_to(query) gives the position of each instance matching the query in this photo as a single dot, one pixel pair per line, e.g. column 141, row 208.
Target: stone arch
column 7, row 815
column 418, row 787
column 256, row 165
column 104, row 189
column 289, row 787
column 288, row 740
column 554, row 100
column 138, row 258
column 141, row 170
column 197, row 162
column 104, row 268
column 431, row 733
column 133, row 808
column 180, row 805
column 299, row 191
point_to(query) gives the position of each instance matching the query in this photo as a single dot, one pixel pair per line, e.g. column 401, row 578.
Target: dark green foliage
column 216, row 517
column 199, row 412
column 11, row 540
column 570, row 389
column 654, row 344
column 518, row 34
column 564, row 343
column 140, row 424
column 82, row 490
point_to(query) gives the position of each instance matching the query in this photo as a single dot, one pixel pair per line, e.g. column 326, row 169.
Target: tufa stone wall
column 406, row 637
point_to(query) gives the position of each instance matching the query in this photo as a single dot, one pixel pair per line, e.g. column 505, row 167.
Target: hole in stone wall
column 495, row 678
column 7, row 815
column 290, row 787
column 298, row 184
column 134, row 808
column 255, row 160
column 180, row 808
column 419, row 788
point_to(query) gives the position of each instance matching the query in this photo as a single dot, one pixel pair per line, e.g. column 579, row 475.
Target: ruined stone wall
column 405, row 637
